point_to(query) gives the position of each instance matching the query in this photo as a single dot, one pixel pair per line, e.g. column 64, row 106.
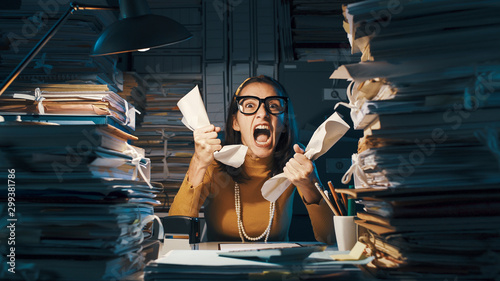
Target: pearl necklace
column 241, row 229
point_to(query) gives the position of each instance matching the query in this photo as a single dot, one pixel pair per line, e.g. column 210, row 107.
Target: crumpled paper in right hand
column 195, row 116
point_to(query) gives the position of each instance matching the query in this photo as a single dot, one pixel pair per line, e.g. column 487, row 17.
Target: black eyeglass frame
column 264, row 100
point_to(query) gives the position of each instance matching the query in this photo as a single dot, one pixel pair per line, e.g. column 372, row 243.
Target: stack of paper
column 167, row 142
column 211, row 265
column 79, row 204
column 134, row 92
column 310, row 33
column 65, row 57
column 85, row 100
column 427, row 169
column 427, row 233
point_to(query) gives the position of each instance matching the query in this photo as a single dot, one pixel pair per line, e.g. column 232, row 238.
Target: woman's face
column 260, row 131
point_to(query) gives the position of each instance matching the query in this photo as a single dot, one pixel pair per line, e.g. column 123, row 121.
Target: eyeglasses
column 248, row 105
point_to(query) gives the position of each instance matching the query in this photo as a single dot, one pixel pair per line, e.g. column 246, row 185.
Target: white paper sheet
column 325, row 136
column 195, row 116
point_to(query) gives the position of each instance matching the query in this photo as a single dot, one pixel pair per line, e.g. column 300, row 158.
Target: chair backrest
column 183, row 226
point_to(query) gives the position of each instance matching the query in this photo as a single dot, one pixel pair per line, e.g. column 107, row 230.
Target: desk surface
column 170, row 244
column 217, row 245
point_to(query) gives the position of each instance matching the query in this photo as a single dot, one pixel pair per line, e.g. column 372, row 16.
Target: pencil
column 321, row 191
column 331, row 202
column 344, row 199
column 339, row 203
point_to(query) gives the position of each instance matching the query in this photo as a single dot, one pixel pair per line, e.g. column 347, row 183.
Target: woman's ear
column 236, row 126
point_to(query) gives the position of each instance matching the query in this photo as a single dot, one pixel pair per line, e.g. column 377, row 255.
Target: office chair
column 175, row 226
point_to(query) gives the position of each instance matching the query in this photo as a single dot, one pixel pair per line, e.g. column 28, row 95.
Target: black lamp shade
column 140, row 32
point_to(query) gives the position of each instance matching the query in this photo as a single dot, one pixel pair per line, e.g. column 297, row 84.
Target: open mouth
column 262, row 135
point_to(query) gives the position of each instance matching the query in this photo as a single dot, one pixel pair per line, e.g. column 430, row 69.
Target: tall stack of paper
column 134, row 92
column 309, row 32
column 79, row 204
column 168, row 143
column 428, row 166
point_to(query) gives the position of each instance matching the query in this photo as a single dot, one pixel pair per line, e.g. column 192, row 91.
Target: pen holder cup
column 346, row 232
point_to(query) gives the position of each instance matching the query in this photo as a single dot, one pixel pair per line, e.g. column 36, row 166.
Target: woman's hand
column 302, row 173
column 205, row 144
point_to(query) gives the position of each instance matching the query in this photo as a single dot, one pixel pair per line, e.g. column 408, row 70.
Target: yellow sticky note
column 355, row 254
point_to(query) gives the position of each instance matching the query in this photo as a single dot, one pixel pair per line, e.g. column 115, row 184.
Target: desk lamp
column 137, row 30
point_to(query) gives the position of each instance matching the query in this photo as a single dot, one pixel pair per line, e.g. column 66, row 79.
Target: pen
column 332, row 201
column 325, row 197
column 337, row 200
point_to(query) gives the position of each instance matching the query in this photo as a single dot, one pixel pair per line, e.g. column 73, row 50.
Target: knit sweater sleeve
column 189, row 198
column 322, row 221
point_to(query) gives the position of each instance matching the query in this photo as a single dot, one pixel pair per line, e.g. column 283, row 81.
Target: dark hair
column 284, row 147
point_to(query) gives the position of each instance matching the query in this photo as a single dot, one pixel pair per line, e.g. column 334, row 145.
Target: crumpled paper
column 325, row 136
column 195, row 116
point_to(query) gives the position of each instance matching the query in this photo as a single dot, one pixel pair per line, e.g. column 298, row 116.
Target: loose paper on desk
column 195, row 116
column 325, row 136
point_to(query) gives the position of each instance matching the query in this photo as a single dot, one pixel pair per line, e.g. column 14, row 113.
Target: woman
column 260, row 117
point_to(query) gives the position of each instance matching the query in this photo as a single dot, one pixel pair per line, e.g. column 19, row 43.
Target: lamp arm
column 32, row 54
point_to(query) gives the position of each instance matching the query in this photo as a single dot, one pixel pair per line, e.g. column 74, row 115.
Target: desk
column 207, row 264
column 216, row 245
column 182, row 244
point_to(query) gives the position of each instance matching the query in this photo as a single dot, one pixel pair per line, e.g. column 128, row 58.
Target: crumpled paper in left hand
column 195, row 116
column 325, row 136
